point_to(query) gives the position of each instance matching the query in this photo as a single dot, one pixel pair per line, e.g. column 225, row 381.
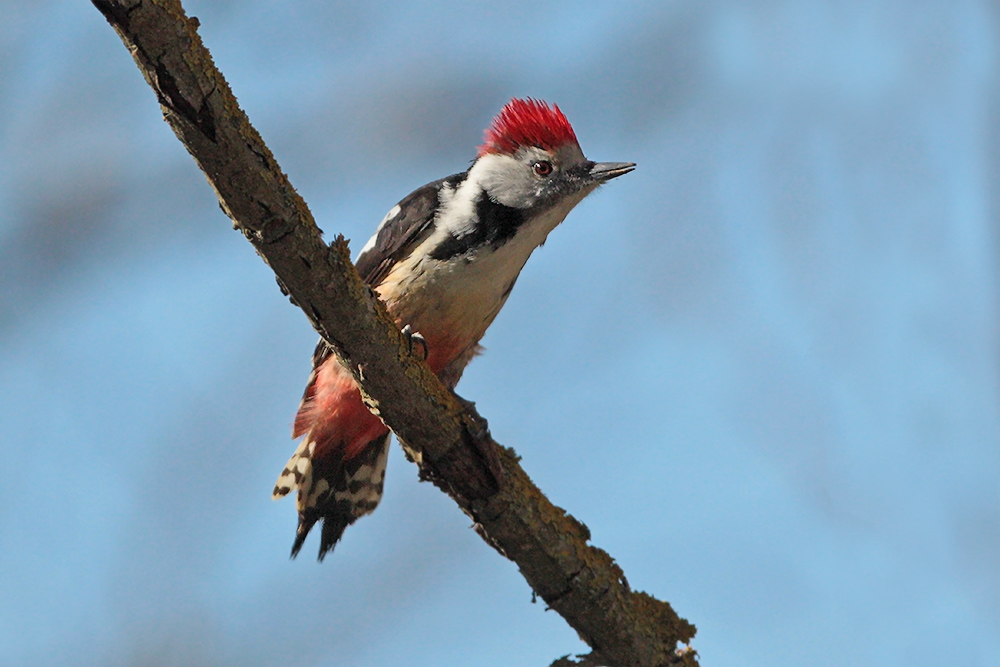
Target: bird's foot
column 414, row 337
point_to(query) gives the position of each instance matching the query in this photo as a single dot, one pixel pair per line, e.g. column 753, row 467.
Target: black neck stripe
column 497, row 224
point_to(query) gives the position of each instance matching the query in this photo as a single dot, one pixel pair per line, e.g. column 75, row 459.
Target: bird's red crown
column 527, row 122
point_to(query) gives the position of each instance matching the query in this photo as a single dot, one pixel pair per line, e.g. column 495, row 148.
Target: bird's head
column 531, row 159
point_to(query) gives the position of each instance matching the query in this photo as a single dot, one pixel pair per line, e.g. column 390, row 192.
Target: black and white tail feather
column 338, row 492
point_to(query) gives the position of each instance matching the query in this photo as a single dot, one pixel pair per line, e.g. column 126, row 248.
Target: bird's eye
column 542, row 168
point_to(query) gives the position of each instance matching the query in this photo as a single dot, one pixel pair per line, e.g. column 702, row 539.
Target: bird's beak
column 605, row 171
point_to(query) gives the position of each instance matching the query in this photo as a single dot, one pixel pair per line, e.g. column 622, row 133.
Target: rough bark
column 579, row 581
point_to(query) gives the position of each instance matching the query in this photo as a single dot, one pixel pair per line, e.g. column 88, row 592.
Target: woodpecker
column 443, row 260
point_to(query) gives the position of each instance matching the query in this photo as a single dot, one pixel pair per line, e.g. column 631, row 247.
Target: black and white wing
column 403, row 228
column 408, row 224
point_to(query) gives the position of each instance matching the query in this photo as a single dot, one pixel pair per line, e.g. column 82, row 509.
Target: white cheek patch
column 507, row 179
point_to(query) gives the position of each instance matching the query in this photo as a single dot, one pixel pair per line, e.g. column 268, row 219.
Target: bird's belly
column 452, row 302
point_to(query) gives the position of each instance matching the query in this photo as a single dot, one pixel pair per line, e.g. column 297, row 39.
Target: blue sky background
column 762, row 368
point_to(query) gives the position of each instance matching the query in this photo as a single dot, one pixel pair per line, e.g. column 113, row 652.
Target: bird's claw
column 414, row 337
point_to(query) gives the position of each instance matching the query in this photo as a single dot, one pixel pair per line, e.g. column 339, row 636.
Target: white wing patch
column 393, row 212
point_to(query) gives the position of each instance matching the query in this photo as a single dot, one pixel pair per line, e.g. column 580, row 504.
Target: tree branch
column 454, row 449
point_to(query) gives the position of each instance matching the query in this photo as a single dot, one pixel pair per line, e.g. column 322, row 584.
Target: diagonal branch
column 581, row 582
